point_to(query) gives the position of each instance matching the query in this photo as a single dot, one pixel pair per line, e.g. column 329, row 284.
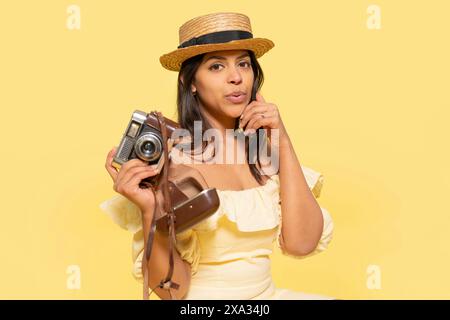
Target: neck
column 225, row 125
column 219, row 122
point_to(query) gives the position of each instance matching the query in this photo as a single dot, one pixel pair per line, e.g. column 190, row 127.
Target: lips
column 236, row 97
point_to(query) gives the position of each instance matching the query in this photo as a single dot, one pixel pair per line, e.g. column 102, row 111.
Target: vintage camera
column 143, row 139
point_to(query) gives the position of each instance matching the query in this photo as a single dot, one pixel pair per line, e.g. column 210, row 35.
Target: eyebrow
column 223, row 58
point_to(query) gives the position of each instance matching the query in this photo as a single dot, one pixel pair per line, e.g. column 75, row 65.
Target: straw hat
column 214, row 32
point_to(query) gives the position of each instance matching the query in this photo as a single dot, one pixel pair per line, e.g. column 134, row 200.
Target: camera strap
column 166, row 283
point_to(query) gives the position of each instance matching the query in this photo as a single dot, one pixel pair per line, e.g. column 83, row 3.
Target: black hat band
column 217, row 37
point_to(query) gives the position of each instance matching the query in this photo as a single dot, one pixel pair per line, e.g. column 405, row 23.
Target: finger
column 110, row 157
column 133, row 163
column 113, row 173
column 137, row 177
column 127, row 175
column 248, row 107
column 249, row 114
column 255, row 124
column 126, row 167
column 133, row 183
column 259, row 97
column 268, row 106
column 251, row 126
column 108, row 164
column 252, row 112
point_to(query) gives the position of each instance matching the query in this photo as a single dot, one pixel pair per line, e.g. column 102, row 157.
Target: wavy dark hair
column 189, row 110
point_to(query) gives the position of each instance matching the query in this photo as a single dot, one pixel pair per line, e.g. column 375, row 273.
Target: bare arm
column 126, row 182
column 302, row 216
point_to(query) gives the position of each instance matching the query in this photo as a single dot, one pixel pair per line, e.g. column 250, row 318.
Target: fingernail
column 241, row 116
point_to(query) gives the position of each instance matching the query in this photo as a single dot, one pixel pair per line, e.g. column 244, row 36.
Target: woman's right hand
column 127, row 179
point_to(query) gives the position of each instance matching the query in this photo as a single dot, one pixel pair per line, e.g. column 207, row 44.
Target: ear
column 193, row 87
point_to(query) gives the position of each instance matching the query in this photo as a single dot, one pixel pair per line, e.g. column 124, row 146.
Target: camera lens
column 148, row 147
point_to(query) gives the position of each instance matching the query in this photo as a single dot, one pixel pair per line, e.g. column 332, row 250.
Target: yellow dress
column 229, row 252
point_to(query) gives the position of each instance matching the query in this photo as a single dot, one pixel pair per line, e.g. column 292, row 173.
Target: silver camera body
column 140, row 140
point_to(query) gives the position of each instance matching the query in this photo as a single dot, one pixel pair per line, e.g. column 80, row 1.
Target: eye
column 245, row 62
column 214, row 66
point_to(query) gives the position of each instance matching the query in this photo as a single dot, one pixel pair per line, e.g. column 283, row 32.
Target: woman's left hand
column 260, row 113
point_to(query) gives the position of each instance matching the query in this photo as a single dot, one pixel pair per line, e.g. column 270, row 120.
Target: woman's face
column 220, row 74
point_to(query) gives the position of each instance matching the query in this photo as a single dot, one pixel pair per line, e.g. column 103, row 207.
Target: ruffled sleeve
column 128, row 216
column 314, row 180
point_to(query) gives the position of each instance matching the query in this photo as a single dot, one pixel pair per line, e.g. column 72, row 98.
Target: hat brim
column 173, row 60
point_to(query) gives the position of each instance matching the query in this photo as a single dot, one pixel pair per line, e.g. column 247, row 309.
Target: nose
column 234, row 76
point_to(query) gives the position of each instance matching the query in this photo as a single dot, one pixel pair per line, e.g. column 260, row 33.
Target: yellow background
column 367, row 108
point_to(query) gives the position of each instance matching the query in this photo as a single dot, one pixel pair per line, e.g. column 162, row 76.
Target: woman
column 227, row 255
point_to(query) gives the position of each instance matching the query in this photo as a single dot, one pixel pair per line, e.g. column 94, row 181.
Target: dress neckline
column 270, row 180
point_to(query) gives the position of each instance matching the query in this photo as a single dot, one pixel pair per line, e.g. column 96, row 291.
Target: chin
column 236, row 112
column 239, row 107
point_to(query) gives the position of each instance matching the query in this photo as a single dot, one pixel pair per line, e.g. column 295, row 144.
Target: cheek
column 248, row 78
column 213, row 89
